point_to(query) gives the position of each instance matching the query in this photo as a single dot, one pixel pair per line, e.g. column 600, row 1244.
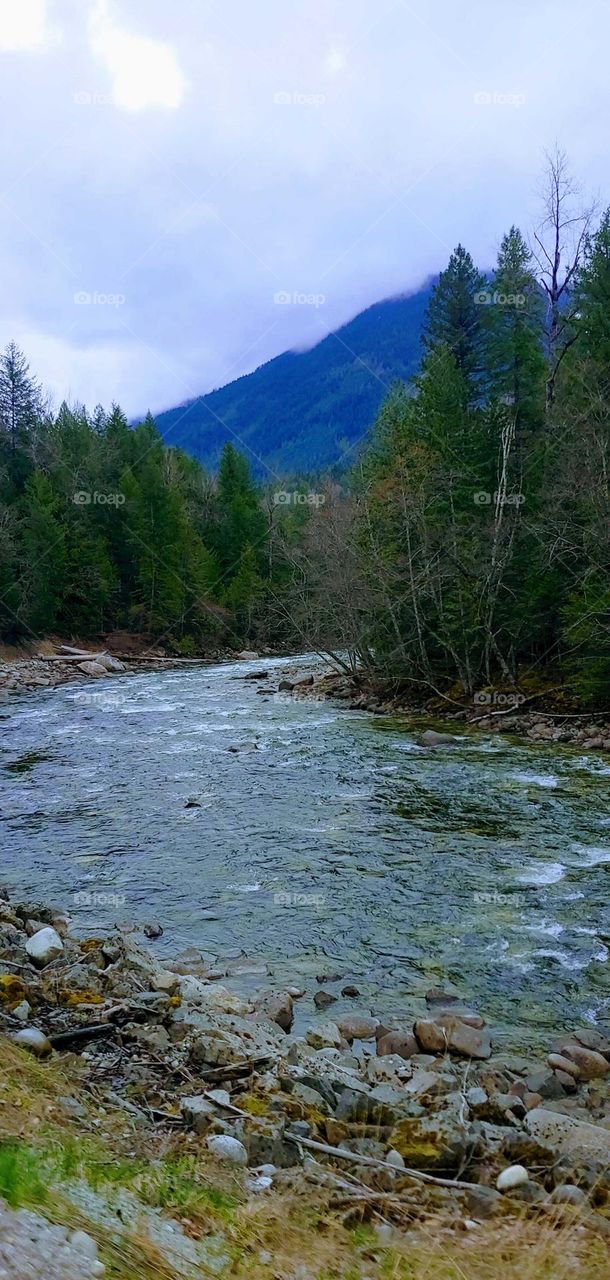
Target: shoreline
column 569, row 728
column 426, row 1097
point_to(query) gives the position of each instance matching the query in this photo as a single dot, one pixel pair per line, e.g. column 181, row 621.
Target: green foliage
column 482, row 529
column 23, row 1178
column 454, row 318
column 103, row 527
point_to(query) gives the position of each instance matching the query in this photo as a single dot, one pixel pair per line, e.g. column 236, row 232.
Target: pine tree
column 20, row 395
column 515, row 333
column 454, row 318
column 43, row 555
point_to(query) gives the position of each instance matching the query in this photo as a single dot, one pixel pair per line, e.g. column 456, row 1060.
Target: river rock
column 515, row 1176
column 311, row 1098
column 92, row 669
column 322, row 999
column 44, row 946
column 277, row 1007
column 34, row 1041
column 567, row 1193
column 430, row 738
column 397, row 1042
column 389, row 1067
column 326, row 1036
column 558, row 1062
column 246, row 655
column 226, row 1148
column 355, row 1107
column 447, row 1033
column 210, row 996
column 589, row 1063
column 109, row 663
column 216, row 1048
column 591, row 1038
column 430, row 1142
column 567, row 1135
column 353, row 1028
column 164, row 981
column 197, row 1113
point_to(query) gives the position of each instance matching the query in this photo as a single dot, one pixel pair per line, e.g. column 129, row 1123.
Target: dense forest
column 476, row 542
column 468, row 542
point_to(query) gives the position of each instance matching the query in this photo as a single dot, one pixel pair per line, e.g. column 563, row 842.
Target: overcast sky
column 169, row 167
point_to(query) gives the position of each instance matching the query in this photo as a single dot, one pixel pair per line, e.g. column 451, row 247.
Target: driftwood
column 80, row 1034
column 355, row 1156
column 74, row 657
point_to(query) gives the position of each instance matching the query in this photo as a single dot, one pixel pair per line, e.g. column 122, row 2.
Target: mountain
column 303, row 411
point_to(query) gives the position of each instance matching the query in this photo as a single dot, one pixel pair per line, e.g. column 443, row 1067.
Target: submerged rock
column 430, row 738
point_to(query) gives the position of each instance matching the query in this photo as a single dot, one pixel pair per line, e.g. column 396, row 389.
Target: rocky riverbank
column 412, row 1120
column 491, row 711
column 53, row 666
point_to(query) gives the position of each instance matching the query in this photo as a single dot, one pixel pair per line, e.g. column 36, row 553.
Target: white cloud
column 22, row 25
column 145, row 72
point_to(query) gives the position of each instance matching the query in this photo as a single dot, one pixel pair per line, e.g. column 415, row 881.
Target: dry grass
column 283, row 1235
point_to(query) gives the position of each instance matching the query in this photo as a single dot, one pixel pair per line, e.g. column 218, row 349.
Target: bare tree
column 557, row 248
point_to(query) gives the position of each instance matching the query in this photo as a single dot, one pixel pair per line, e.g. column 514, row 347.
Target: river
column 328, row 842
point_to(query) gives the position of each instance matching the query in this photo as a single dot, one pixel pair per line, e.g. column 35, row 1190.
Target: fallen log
column 355, row 1156
column 75, row 657
column 78, row 1035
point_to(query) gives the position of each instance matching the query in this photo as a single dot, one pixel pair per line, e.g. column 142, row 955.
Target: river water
column 328, row 842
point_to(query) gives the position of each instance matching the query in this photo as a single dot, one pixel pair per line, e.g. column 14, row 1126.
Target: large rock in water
column 44, row 946
column 448, row 1034
column 430, row 738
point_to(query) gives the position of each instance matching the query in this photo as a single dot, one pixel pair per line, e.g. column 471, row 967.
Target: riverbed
column 289, row 838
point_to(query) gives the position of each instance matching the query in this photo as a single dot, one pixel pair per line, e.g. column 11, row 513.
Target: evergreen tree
column 20, row 396
column 515, row 332
column 455, row 318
